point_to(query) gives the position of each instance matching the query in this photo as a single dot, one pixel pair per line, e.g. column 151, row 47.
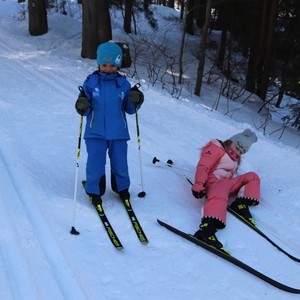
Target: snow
column 40, row 259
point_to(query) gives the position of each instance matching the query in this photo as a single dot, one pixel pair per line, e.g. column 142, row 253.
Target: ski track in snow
column 44, row 253
column 21, row 202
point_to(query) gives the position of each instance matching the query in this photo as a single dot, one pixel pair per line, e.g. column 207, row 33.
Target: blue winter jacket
column 108, row 96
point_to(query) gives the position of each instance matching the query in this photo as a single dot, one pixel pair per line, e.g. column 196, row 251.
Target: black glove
column 82, row 105
column 136, row 96
column 199, row 195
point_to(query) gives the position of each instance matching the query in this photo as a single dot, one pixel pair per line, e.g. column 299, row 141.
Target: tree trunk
column 255, row 48
column 146, row 4
column 171, row 3
column 96, row 26
column 223, row 25
column 181, row 54
column 127, row 17
column 199, row 14
column 203, row 49
column 189, row 17
column 37, row 15
column 222, row 49
column 263, row 79
column 182, row 6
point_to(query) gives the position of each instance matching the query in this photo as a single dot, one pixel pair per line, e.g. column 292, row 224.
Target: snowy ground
column 40, row 259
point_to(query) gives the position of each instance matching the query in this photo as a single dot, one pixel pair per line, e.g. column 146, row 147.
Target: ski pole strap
column 81, row 90
column 136, row 87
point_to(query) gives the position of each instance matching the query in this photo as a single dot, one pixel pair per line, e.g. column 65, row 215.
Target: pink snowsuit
column 215, row 170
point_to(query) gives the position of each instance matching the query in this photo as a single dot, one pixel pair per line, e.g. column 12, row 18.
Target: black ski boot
column 95, row 199
column 124, row 195
column 240, row 206
column 206, row 233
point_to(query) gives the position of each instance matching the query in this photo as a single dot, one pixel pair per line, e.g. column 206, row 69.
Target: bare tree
column 203, row 49
column 265, row 14
column 255, row 47
column 96, row 26
column 189, row 17
column 127, row 17
column 146, row 4
column 182, row 49
column 171, row 3
column 263, row 80
column 37, row 15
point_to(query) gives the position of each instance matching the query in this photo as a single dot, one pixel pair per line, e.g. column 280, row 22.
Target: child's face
column 108, row 69
column 234, row 152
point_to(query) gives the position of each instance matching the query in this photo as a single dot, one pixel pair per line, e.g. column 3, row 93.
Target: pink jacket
column 214, row 163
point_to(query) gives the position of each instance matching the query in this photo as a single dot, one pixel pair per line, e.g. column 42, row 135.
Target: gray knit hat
column 244, row 140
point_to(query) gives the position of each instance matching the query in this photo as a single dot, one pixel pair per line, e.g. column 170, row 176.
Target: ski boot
column 240, row 206
column 124, row 195
column 95, row 199
column 206, row 233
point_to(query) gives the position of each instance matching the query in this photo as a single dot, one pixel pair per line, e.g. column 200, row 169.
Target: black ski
column 110, row 231
column 261, row 234
column 230, row 259
column 135, row 223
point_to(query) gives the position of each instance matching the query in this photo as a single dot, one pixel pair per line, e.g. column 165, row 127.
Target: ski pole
column 73, row 230
column 169, row 163
column 142, row 193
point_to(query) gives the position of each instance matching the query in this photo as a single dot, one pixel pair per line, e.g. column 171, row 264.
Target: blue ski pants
column 96, row 161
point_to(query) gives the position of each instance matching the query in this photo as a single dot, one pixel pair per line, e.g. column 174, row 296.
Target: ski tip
column 160, row 222
column 144, row 242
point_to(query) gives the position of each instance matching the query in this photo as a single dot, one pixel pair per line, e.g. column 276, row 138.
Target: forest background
column 256, row 52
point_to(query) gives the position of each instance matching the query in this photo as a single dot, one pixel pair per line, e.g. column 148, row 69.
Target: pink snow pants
column 219, row 190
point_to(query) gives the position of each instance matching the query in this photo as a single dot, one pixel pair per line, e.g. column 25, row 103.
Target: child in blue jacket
column 106, row 98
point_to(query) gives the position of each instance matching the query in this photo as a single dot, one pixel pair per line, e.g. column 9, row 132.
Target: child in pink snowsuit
column 214, row 178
